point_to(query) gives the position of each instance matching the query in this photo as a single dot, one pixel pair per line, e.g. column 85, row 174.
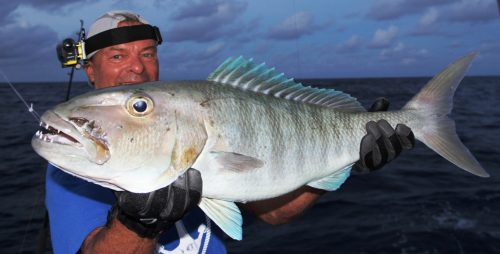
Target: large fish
column 252, row 133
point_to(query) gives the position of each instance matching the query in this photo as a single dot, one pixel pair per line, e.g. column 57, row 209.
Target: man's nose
column 136, row 65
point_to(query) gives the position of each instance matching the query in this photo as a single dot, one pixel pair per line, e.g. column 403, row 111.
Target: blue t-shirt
column 76, row 207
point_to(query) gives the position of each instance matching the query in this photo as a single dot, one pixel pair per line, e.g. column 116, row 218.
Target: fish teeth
column 85, row 126
column 89, row 127
column 39, row 134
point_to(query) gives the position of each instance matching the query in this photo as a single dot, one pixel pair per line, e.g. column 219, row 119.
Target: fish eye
column 139, row 105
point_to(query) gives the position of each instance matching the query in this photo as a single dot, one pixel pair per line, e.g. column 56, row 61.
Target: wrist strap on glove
column 143, row 227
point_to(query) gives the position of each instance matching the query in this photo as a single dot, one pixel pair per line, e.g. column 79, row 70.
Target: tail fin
column 434, row 102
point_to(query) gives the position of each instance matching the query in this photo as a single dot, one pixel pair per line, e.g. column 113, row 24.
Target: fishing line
column 37, row 118
column 30, row 107
column 35, row 114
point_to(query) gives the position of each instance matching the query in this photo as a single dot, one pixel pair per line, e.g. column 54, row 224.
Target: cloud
column 20, row 47
column 50, row 5
column 196, row 10
column 429, row 18
column 351, row 45
column 472, row 11
column 193, row 22
column 392, row 52
column 294, row 27
column 183, row 63
column 428, row 23
column 213, row 50
column 408, row 60
column 393, row 9
column 29, row 54
column 489, row 48
column 403, row 54
column 384, row 38
column 27, row 48
column 8, row 11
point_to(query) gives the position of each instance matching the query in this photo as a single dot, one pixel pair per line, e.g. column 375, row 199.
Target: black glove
column 148, row 214
column 382, row 143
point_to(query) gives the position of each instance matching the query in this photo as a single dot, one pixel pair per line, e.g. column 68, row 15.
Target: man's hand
column 382, row 143
column 148, row 214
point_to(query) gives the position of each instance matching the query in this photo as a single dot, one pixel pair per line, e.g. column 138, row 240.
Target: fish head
column 124, row 138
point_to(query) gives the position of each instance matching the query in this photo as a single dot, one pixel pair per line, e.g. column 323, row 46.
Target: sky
column 301, row 38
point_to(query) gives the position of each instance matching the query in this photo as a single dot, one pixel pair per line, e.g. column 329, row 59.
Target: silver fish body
column 252, row 134
column 289, row 138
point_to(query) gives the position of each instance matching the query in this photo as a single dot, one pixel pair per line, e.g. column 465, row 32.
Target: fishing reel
column 70, row 52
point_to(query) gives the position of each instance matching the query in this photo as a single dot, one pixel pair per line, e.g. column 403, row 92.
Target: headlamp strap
column 122, row 35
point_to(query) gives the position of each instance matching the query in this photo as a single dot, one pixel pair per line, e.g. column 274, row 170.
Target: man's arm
column 116, row 238
column 283, row 209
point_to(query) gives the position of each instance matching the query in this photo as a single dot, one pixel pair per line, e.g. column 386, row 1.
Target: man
column 88, row 218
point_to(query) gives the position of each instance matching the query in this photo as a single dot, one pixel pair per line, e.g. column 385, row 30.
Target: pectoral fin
column 235, row 161
column 225, row 214
column 333, row 181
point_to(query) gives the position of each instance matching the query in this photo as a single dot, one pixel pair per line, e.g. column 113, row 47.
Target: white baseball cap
column 110, row 20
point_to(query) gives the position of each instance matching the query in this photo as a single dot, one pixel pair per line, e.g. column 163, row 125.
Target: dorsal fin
column 245, row 74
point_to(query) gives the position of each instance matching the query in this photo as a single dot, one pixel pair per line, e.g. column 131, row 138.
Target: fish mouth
column 75, row 133
column 54, row 135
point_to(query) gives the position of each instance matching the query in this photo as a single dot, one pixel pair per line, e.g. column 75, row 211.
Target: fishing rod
column 70, row 54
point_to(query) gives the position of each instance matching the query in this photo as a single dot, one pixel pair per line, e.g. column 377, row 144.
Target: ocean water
column 419, row 203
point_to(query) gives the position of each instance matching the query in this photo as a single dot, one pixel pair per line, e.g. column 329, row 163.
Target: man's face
column 124, row 64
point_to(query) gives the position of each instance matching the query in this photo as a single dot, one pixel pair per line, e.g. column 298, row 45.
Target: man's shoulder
column 63, row 185
column 75, row 207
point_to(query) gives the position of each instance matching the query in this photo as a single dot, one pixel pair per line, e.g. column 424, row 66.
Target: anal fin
column 333, row 181
column 225, row 214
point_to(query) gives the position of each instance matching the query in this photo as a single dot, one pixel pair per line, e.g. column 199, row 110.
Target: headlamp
column 71, row 53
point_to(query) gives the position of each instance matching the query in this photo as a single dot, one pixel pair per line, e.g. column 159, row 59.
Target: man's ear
column 89, row 69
